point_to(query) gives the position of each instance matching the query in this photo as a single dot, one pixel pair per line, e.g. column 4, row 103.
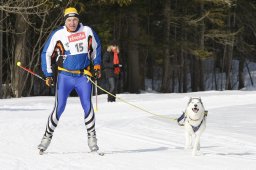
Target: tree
column 1, row 54
column 19, row 54
column 169, row 40
column 133, row 52
column 167, row 57
column 26, row 19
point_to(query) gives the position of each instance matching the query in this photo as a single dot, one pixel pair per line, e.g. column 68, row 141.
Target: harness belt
column 184, row 117
column 195, row 128
column 82, row 72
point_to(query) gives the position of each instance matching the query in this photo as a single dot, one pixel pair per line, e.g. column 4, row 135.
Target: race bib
column 77, row 43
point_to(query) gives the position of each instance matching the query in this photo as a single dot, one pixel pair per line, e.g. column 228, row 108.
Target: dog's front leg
column 188, row 144
column 196, row 146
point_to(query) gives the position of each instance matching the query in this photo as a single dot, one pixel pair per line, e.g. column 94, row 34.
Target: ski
column 98, row 153
column 41, row 152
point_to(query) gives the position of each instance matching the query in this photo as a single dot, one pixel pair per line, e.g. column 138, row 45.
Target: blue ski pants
column 83, row 87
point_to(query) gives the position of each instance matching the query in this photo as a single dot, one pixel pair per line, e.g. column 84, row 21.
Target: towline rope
column 138, row 107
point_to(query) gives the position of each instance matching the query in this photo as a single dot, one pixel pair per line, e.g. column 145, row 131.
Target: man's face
column 72, row 23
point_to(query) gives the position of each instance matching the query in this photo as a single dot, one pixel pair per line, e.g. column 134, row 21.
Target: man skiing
column 75, row 49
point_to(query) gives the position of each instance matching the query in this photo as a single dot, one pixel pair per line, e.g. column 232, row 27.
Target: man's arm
column 46, row 54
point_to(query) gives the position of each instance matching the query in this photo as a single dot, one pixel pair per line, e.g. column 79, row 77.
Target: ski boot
column 92, row 142
column 45, row 142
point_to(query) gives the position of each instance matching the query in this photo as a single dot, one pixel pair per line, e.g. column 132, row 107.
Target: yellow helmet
column 70, row 12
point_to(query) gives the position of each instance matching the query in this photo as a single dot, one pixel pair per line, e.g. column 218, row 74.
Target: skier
column 75, row 49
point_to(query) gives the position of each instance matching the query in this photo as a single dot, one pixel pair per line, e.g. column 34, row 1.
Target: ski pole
column 96, row 96
column 30, row 71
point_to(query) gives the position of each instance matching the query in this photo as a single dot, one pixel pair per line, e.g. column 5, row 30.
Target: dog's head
column 195, row 108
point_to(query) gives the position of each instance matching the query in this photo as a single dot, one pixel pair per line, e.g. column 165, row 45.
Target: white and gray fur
column 195, row 124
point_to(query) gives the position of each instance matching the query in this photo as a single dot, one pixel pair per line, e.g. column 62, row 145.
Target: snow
column 132, row 139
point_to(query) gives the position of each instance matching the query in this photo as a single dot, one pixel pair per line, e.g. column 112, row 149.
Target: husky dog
column 194, row 120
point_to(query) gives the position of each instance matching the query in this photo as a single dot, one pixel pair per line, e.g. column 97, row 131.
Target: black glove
column 97, row 74
column 49, row 81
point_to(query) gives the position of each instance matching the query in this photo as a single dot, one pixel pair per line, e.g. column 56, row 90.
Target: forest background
column 173, row 45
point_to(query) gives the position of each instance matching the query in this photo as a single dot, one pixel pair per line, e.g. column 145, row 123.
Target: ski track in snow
column 130, row 138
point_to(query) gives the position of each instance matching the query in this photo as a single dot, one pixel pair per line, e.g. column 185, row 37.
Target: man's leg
column 84, row 90
column 111, row 82
column 65, row 85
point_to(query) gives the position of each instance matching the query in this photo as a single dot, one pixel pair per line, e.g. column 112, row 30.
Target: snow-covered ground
column 131, row 138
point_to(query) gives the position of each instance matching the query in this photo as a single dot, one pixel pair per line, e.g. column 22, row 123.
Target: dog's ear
column 190, row 99
column 200, row 99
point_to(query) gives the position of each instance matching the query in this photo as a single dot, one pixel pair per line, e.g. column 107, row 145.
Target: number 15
column 79, row 47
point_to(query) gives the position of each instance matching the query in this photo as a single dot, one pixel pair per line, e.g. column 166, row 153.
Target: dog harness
column 195, row 128
column 183, row 117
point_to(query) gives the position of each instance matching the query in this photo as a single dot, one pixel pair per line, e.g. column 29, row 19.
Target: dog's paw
column 196, row 153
